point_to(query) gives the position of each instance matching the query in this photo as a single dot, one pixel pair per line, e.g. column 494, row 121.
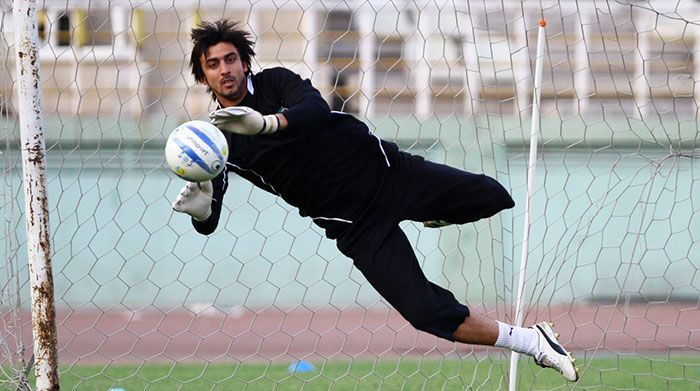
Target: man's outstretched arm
column 246, row 121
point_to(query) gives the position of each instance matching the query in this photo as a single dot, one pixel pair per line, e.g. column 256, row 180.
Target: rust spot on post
column 44, row 317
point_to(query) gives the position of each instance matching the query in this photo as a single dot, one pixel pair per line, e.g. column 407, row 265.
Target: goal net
column 144, row 301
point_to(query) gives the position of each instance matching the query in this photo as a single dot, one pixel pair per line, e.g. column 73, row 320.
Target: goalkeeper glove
column 195, row 200
column 244, row 120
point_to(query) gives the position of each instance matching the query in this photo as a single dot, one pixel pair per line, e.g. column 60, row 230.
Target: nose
column 225, row 68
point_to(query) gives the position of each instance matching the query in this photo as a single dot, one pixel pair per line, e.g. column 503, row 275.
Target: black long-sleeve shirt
column 327, row 164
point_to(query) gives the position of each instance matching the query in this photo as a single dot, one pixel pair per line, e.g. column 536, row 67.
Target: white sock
column 518, row 339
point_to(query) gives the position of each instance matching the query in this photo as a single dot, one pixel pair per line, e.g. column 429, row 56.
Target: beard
column 233, row 94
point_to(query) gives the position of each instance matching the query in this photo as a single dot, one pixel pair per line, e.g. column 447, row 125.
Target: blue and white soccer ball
column 196, row 151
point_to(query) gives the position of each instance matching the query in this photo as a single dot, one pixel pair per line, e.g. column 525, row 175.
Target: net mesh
column 13, row 273
column 266, row 301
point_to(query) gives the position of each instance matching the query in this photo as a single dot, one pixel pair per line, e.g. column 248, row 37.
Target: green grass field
column 633, row 373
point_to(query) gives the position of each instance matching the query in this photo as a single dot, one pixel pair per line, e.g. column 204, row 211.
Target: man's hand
column 244, row 120
column 195, row 200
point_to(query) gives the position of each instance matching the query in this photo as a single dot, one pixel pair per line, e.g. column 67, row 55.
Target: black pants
column 418, row 190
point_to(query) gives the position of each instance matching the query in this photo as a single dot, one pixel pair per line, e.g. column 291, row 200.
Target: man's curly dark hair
column 208, row 34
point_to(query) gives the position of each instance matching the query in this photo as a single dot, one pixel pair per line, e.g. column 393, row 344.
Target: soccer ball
column 196, row 151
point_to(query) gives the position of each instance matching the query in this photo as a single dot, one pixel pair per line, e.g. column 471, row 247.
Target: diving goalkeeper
column 285, row 140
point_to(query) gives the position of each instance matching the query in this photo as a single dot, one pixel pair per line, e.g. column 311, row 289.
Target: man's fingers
column 180, row 199
column 191, row 189
column 229, row 113
column 225, row 120
column 188, row 191
column 195, row 199
column 221, row 120
column 236, row 111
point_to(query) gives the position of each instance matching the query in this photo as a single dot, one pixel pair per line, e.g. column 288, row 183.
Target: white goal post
column 38, row 243
column 613, row 247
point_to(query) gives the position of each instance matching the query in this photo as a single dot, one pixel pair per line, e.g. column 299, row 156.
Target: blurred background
column 616, row 204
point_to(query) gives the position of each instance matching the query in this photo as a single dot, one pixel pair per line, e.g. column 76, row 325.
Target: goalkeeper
column 285, row 140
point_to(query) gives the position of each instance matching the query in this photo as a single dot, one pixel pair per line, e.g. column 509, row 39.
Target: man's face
column 224, row 73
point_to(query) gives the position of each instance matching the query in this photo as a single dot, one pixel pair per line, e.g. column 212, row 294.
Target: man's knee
column 500, row 195
column 482, row 197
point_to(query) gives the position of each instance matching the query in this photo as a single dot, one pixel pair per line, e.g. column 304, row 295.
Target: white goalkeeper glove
column 244, row 120
column 195, row 200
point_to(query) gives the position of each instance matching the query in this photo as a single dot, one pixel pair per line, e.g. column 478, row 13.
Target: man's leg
column 477, row 330
column 443, row 194
column 480, row 330
column 394, row 271
column 538, row 341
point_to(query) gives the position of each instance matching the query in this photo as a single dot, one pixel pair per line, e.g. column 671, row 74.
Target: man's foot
column 436, row 223
column 551, row 354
